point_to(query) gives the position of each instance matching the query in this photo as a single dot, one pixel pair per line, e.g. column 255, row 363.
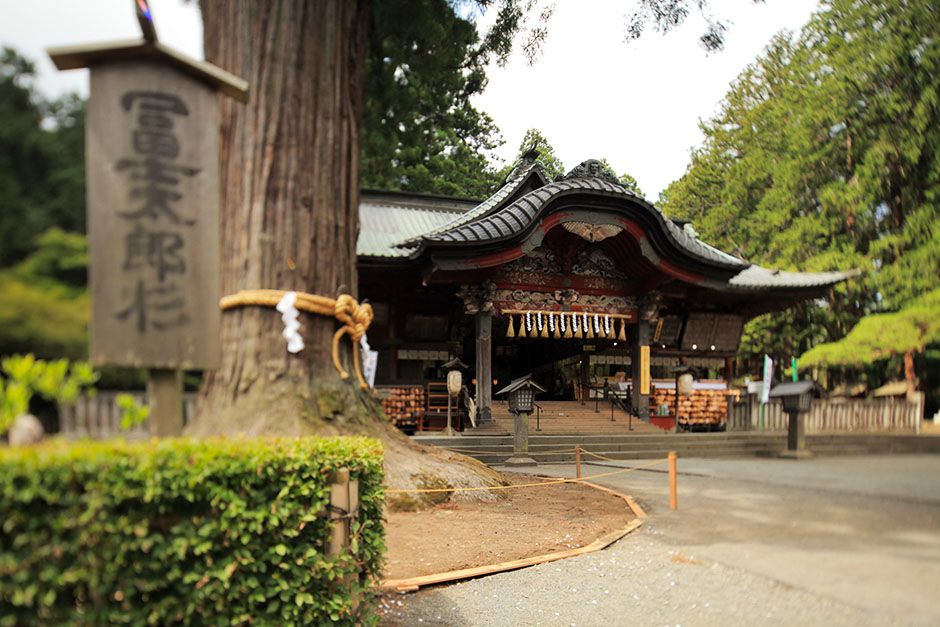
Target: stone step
column 631, row 455
column 560, row 441
column 623, row 446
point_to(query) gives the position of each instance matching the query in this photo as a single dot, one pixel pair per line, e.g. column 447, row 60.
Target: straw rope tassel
column 557, row 332
column 623, row 331
column 590, row 327
column 354, row 317
column 522, row 332
column 544, row 332
column 577, row 331
column 510, row 332
column 567, row 327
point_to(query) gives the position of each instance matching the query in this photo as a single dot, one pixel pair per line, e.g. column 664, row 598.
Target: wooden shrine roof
column 407, row 227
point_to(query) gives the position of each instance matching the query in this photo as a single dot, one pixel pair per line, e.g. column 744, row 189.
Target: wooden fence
column 99, row 417
column 879, row 415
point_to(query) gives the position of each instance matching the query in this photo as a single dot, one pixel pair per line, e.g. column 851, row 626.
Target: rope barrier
column 467, row 450
column 523, row 485
column 354, row 317
column 599, row 456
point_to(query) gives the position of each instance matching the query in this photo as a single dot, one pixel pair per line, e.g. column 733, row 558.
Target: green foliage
column 133, row 413
column 665, row 15
column 41, row 161
column 44, row 306
column 26, row 376
column 58, row 257
column 46, row 318
column 825, row 156
column 185, row 532
column 535, row 140
column 625, row 179
column 881, row 336
column 420, row 131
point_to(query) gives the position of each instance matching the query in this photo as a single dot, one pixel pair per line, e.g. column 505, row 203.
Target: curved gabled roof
column 517, row 217
column 514, row 182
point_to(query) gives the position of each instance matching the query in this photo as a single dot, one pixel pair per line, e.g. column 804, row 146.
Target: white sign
column 370, row 360
column 768, row 375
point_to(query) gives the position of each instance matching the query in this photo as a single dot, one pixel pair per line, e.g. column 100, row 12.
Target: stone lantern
column 796, row 397
column 521, row 403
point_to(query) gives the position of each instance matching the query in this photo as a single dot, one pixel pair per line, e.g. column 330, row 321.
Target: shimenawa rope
column 354, row 317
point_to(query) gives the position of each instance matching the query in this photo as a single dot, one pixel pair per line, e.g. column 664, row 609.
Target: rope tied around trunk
column 354, row 317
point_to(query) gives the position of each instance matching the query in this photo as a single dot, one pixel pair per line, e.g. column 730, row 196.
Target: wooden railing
column 99, row 417
column 879, row 415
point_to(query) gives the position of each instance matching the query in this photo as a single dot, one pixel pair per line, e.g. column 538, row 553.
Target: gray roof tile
column 756, row 277
column 526, row 208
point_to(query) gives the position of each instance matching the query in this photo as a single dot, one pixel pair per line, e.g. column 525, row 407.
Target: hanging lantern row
column 566, row 324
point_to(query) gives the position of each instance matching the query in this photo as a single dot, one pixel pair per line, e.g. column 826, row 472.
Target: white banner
column 768, row 376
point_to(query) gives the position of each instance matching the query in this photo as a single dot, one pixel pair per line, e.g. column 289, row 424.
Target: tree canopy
column 42, row 174
column 881, row 336
column 535, row 140
column 824, row 155
column 421, row 132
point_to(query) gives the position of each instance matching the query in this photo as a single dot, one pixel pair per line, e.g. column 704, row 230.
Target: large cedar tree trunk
column 290, row 197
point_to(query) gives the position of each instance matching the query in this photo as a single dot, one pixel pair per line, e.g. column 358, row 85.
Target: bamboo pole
column 673, row 492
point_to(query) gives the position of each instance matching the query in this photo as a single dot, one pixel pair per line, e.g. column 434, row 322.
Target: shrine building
column 578, row 281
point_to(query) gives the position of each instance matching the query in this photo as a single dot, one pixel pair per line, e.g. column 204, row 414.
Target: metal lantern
column 796, row 396
column 522, row 400
column 522, row 394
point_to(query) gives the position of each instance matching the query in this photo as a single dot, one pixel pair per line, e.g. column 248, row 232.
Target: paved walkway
column 844, row 541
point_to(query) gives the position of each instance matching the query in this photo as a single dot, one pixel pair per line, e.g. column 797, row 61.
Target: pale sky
column 591, row 93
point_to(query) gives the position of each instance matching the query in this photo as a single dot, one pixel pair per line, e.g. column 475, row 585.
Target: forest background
column 823, row 155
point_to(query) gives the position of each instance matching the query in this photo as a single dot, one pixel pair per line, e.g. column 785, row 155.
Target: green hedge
column 179, row 531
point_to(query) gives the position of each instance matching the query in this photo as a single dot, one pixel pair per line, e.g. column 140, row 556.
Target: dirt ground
column 532, row 521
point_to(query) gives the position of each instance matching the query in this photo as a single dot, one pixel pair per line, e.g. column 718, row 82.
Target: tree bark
column 289, row 164
column 910, row 376
column 290, row 194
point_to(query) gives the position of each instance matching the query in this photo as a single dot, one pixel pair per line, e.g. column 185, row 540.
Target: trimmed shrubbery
column 180, row 531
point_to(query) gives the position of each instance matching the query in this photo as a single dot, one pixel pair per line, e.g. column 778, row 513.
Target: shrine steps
column 559, row 448
column 569, row 418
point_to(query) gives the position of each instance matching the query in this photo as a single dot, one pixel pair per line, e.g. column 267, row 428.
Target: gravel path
column 639, row 581
column 741, row 551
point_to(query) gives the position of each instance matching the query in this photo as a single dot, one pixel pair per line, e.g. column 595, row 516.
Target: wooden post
column 484, row 359
column 673, row 492
column 165, row 397
column 641, row 372
column 344, row 504
column 577, row 460
column 344, row 500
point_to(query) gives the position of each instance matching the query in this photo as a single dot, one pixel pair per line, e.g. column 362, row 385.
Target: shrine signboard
column 152, row 190
column 153, row 217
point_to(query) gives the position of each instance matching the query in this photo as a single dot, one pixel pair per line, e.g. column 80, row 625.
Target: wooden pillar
column 165, row 397
column 640, row 368
column 484, row 359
